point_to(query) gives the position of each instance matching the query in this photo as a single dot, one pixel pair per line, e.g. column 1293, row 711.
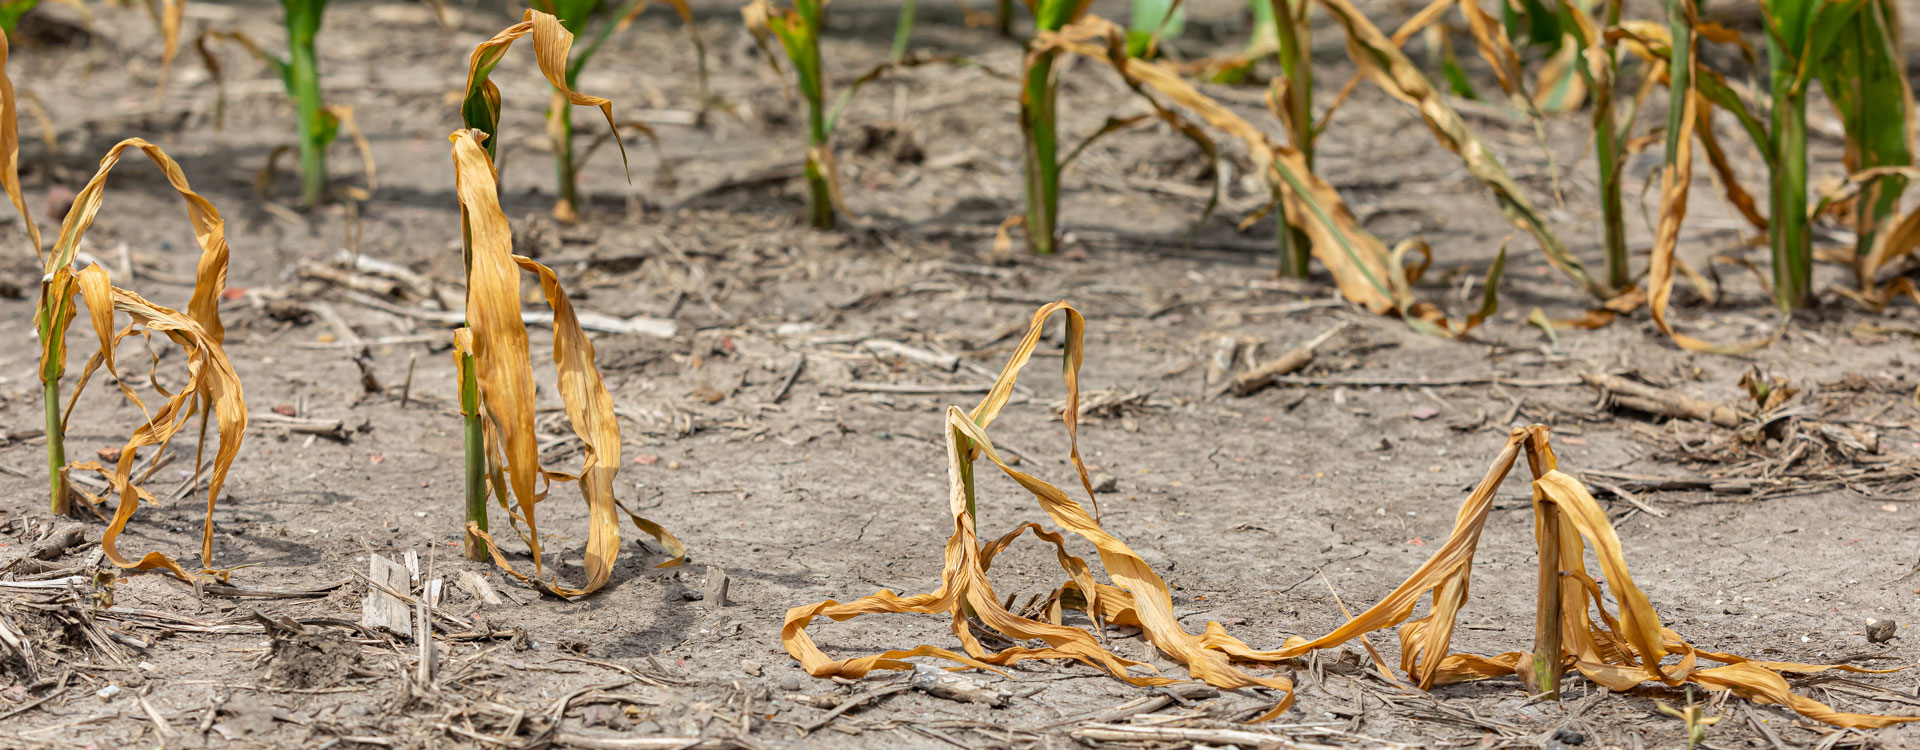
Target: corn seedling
column 212, row 389
column 1862, row 74
column 495, row 362
column 1852, row 49
column 798, row 29
column 967, row 597
column 317, row 125
column 1598, row 67
column 574, row 16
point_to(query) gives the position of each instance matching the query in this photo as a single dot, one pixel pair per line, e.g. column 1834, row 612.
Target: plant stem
column 1791, row 243
column 1296, row 62
column 904, row 31
column 51, row 324
column 568, row 206
column 476, row 452
column 1003, row 17
column 1037, row 124
column 57, row 451
column 819, row 189
column 1542, row 678
column 474, row 436
column 303, row 81
column 1607, row 153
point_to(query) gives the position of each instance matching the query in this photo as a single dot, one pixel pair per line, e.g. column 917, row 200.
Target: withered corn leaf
column 1674, row 184
column 497, row 338
column 10, row 151
column 966, row 595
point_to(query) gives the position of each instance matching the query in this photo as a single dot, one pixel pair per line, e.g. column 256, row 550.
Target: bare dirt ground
column 1779, row 544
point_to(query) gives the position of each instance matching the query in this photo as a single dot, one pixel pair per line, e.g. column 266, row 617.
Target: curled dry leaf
column 966, row 596
column 496, row 338
column 212, row 388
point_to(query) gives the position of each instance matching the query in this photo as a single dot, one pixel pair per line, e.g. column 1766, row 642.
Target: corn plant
column 212, row 390
column 574, row 16
column 494, row 360
column 316, row 124
column 1137, row 596
column 798, row 29
column 1851, row 47
column 1573, row 628
column 1039, row 127
column 1862, row 74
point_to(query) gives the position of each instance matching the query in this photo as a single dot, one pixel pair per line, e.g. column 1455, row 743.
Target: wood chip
column 381, row 610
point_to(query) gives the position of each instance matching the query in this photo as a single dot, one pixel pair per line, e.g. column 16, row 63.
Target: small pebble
column 789, row 682
column 1105, row 483
column 692, row 595
column 751, row 667
column 1569, row 736
column 1880, row 631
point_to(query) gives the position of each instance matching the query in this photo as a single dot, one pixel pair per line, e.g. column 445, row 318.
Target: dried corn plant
column 480, row 112
column 967, row 597
column 495, row 344
column 1619, row 652
column 211, row 390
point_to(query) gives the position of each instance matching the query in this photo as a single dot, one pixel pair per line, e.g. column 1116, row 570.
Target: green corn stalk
column 1862, row 75
column 299, row 73
column 302, row 77
column 1296, row 63
column 1040, row 128
column 903, row 32
column 1789, row 32
column 799, row 32
column 50, row 323
column 1598, row 67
